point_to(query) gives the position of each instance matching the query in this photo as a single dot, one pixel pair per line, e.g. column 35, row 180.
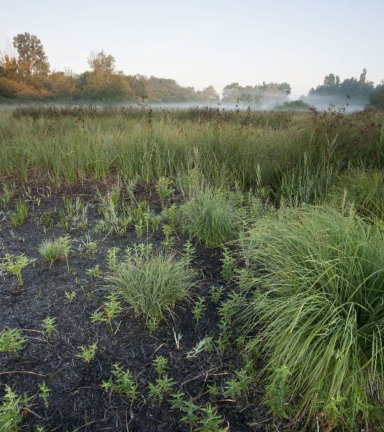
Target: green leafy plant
column 11, row 340
column 199, row 308
column 227, row 266
column 210, row 420
column 87, row 353
column 112, row 259
column 11, row 410
column 111, row 309
column 44, row 392
column 94, row 272
column 152, row 284
column 121, row 383
column 70, row 295
column 163, row 386
column 216, row 293
column 201, row 346
column 164, row 189
column 14, row 264
column 49, row 325
column 160, row 363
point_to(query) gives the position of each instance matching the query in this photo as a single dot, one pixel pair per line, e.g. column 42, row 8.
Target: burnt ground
column 76, row 401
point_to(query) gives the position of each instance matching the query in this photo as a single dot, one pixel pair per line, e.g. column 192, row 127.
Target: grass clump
column 320, row 302
column 53, row 250
column 211, row 217
column 152, row 283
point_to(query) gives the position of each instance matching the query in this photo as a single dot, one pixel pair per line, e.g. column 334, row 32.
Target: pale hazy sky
column 209, row 42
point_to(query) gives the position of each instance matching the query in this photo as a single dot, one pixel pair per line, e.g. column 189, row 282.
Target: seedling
column 228, row 266
column 121, row 383
column 210, row 420
column 70, row 295
column 160, row 363
column 94, row 272
column 88, row 353
column 111, row 309
column 44, row 392
column 14, row 264
column 189, row 251
column 199, row 309
column 162, row 387
column 11, row 410
column 112, row 259
column 216, row 293
column 201, row 346
column 49, row 325
column 164, row 189
column 11, row 340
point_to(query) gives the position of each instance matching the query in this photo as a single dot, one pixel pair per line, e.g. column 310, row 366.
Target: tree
column 31, row 56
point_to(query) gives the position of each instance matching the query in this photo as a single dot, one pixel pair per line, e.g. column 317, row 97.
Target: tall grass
column 72, row 144
column 320, row 303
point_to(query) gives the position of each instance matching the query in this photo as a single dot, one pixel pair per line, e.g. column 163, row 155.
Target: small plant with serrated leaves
column 277, row 392
column 121, row 383
column 228, row 266
column 112, row 255
column 11, row 410
column 44, row 392
column 88, row 353
column 169, row 241
column 70, row 295
column 189, row 251
column 210, row 420
column 49, row 325
column 11, row 340
column 164, row 189
column 216, row 293
column 199, row 308
column 160, row 363
column 158, row 391
column 94, row 272
column 14, row 264
column 190, row 411
column 111, row 309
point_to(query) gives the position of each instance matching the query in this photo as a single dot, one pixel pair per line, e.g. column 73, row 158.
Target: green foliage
column 211, row 217
column 88, row 353
column 49, row 325
column 164, row 189
column 278, row 391
column 121, row 383
column 199, row 308
column 14, row 264
column 111, row 309
column 163, row 387
column 228, row 266
column 70, row 295
column 44, row 392
column 8, row 192
column 11, row 410
column 152, row 284
column 319, row 306
column 53, row 250
column 160, row 363
column 11, row 340
column 210, row 420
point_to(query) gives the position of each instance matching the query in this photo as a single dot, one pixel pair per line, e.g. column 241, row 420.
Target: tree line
column 25, row 75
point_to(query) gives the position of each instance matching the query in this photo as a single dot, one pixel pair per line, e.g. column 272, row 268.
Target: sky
column 211, row 42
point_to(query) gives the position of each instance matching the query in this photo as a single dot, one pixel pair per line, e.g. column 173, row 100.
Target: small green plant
column 111, row 309
column 70, row 295
column 46, row 219
column 162, row 387
column 11, row 410
column 8, row 192
column 239, row 385
column 112, row 254
column 216, row 293
column 14, row 264
column 189, row 251
column 190, row 417
column 49, row 325
column 11, row 340
column 160, row 363
column 210, row 420
column 228, row 266
column 53, row 250
column 44, row 392
column 278, row 391
column 94, row 272
column 88, row 353
column 199, row 308
column 201, row 346
column 164, row 189
column 121, row 383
